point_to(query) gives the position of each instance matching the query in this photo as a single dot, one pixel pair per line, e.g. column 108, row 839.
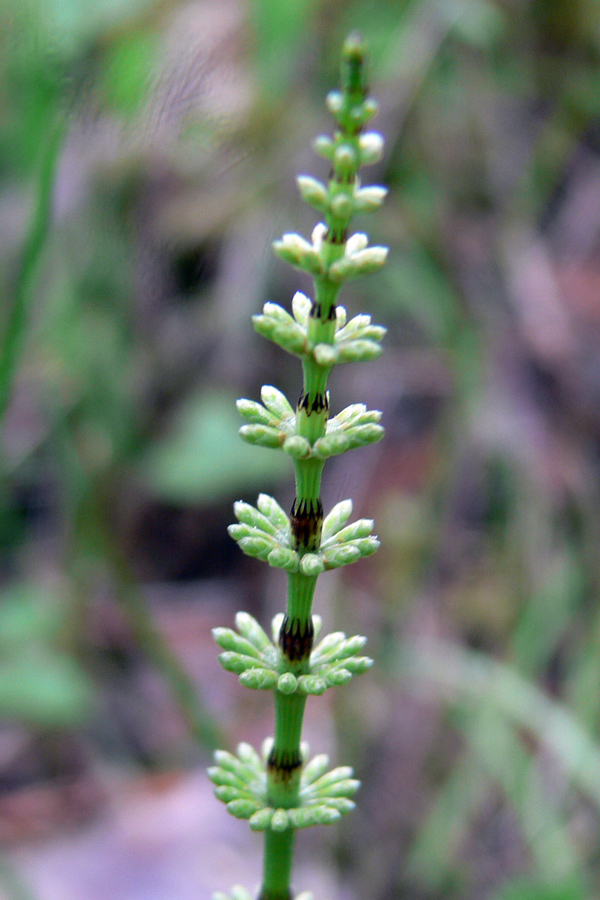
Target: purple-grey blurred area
column 148, row 154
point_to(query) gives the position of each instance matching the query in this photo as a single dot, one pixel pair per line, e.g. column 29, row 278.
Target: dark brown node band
column 315, row 405
column 296, row 638
column 282, row 764
column 306, row 522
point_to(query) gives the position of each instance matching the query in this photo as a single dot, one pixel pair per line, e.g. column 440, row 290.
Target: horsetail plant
column 279, row 790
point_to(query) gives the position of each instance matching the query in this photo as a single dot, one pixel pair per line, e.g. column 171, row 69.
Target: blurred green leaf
column 39, row 683
column 129, row 69
column 28, row 613
column 525, row 889
column 45, row 689
column 66, row 26
column 280, row 31
column 422, row 290
column 433, row 857
column 204, row 459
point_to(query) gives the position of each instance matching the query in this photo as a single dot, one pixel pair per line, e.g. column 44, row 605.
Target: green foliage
column 40, row 683
column 261, row 665
column 240, row 782
column 197, row 461
column 280, row 33
column 281, row 793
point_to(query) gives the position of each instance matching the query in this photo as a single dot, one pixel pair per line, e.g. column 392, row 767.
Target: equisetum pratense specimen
column 280, row 791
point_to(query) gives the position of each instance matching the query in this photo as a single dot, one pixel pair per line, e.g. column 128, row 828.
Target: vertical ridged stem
column 277, row 872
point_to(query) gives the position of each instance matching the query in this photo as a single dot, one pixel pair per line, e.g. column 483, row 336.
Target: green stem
column 39, row 231
column 284, row 765
column 277, row 870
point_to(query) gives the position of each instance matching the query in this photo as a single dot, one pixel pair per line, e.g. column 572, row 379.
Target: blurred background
column 148, row 153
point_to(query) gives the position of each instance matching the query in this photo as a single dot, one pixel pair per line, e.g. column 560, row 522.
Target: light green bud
column 359, row 529
column 368, row 545
column 362, row 435
column 342, row 788
column 277, row 313
column 370, row 145
column 354, row 326
column 317, row 626
column 258, row 679
column 219, row 895
column 276, row 624
column 325, row 815
column 350, row 413
column 331, row 445
column 262, row 435
column 374, row 333
column 261, row 820
column 283, row 558
column 240, row 893
column 362, row 113
column 324, row 146
column 222, row 778
column 345, row 159
column 312, row 564
column 341, row 556
column 287, row 683
column 315, row 769
column 369, row 109
column 369, row 199
column 312, row 191
column 249, row 515
column 304, row 817
column 297, row 446
column 355, row 243
column 342, row 804
column 226, row 760
column 363, row 262
column 351, row 646
column 266, row 747
column 290, row 338
column 237, row 662
column 358, row 664
column 229, row 640
column 273, row 511
column 340, row 773
column 240, row 530
column 251, row 630
column 301, row 308
column 292, row 246
column 338, row 677
column 370, row 416
column 360, row 327
column 258, row 547
column 335, row 518
column 264, row 325
column 340, row 317
column 325, row 354
column 254, row 412
column 299, row 253
column 358, row 351
column 280, row 820
column 243, row 809
column 334, row 101
column 330, row 643
column 342, row 205
column 227, row 794
column 248, row 755
column 312, row 684
column 275, row 400
column 305, row 895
